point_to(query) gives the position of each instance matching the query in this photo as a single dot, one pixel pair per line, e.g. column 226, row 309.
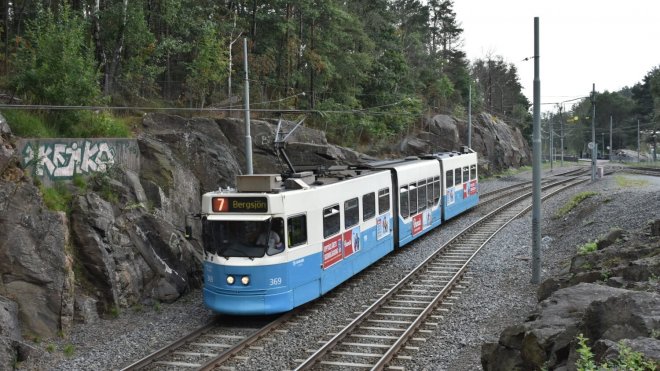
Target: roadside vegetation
column 574, row 202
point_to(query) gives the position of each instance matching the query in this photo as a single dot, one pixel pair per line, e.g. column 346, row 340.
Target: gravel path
column 498, row 294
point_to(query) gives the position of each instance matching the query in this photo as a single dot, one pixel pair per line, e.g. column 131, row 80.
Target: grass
column 625, row 182
column 81, row 124
column 587, row 248
column 68, row 350
column 574, row 202
column 57, row 198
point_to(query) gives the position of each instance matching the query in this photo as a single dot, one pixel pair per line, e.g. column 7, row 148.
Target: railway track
column 212, row 343
column 652, row 171
column 218, row 343
column 377, row 335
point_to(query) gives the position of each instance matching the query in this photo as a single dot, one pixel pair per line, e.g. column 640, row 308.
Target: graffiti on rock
column 63, row 160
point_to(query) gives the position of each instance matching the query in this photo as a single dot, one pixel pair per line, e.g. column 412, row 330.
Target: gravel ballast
column 498, row 293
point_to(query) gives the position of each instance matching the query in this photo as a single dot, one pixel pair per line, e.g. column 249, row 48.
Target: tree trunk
column 98, row 45
column 116, row 58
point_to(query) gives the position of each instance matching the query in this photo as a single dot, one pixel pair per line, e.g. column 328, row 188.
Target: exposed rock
column 499, row 145
column 547, row 338
column 610, row 239
column 8, row 354
column 607, row 350
column 9, row 327
column 33, row 263
column 86, row 309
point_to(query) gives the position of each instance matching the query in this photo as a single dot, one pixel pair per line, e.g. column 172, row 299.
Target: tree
column 55, row 63
column 208, row 67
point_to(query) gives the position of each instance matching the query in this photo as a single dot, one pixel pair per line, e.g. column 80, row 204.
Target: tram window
column 351, row 212
column 297, row 230
column 330, row 220
column 421, row 195
column 473, row 172
column 412, row 196
column 450, row 178
column 368, row 206
column 466, row 174
column 403, row 201
column 457, row 176
column 383, row 200
column 436, row 189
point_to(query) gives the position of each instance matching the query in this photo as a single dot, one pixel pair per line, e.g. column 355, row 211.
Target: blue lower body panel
column 248, row 304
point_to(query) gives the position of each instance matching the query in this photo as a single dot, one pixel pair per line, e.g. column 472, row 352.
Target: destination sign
column 239, row 204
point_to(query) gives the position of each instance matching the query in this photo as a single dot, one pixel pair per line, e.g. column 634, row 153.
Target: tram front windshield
column 239, row 238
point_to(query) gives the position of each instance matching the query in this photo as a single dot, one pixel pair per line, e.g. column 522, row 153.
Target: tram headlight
column 230, row 280
column 245, row 280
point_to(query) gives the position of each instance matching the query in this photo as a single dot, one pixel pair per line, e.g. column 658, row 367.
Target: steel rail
column 393, row 350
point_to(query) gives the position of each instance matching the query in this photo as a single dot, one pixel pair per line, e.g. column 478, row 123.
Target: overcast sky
column 610, row 43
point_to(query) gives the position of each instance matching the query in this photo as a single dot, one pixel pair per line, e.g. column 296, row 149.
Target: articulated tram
column 273, row 244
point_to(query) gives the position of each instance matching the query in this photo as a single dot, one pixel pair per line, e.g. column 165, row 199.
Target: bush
column 627, row 360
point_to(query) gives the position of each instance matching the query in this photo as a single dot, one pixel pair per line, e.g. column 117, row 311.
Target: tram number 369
column 276, row 281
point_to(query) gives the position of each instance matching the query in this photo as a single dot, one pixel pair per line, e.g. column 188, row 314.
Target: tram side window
column 403, row 200
column 412, row 196
column 450, row 178
column 330, row 220
column 457, row 176
column 351, row 212
column 466, row 174
column 436, row 190
column 297, row 230
column 473, row 172
column 383, row 200
column 421, row 195
column 368, row 206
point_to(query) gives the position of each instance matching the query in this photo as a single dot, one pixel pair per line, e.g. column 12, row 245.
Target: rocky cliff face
column 499, row 145
column 120, row 243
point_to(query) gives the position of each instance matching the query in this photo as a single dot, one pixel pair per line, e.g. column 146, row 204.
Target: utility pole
column 470, row 115
column 248, row 138
column 610, row 138
column 536, row 164
column 638, row 148
column 552, row 145
column 561, row 137
column 593, row 133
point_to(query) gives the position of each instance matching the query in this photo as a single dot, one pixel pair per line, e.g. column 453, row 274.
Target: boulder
column 547, row 338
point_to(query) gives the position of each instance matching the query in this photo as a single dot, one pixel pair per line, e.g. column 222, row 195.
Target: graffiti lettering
column 63, row 160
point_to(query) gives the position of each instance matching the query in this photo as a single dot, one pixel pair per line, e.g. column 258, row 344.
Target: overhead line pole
column 248, row 138
column 593, row 134
column 638, row 148
column 536, row 164
column 610, row 138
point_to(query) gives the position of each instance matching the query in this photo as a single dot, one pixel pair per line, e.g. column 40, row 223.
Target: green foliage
column 57, row 198
column 627, row 359
column 84, row 124
column 114, row 311
column 29, row 125
column 585, row 361
column 80, row 182
column 208, row 67
column 68, row 350
column 55, row 63
column 574, row 202
column 587, row 248
column 625, row 182
column 157, row 306
column 50, row 348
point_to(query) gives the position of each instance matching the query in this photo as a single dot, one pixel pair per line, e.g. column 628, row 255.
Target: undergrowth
column 628, row 359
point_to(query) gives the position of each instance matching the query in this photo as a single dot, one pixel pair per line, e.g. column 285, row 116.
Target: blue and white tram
column 271, row 246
